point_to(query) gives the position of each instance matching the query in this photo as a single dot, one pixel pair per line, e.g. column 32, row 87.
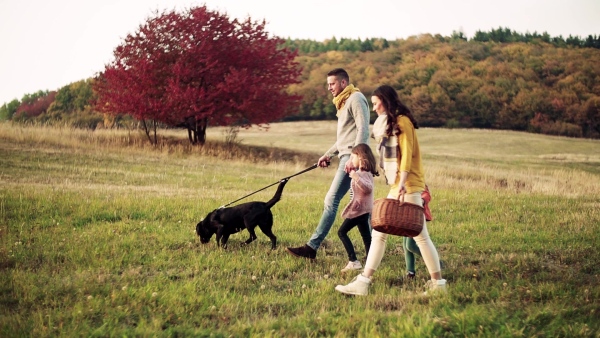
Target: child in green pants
column 408, row 243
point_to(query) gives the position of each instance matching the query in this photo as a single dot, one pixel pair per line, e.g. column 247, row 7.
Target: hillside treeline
column 500, row 34
column 535, row 87
column 539, row 85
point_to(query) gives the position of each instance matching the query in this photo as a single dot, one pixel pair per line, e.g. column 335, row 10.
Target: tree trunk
column 201, row 131
column 190, row 124
column 155, row 137
column 196, row 129
column 146, row 131
column 189, row 130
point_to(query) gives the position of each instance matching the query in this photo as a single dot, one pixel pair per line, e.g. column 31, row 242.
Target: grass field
column 97, row 238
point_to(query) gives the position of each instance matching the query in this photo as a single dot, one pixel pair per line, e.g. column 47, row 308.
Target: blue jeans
column 339, row 187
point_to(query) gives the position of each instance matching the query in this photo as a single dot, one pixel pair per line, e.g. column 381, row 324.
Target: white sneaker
column 352, row 266
column 435, row 285
column 358, row 287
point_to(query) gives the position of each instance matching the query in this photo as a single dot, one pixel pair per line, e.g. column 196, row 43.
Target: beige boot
column 352, row 266
column 358, row 287
column 435, row 285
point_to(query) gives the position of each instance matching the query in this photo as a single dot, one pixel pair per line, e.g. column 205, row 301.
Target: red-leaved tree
column 195, row 68
column 34, row 106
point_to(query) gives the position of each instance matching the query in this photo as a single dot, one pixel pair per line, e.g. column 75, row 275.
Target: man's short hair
column 340, row 73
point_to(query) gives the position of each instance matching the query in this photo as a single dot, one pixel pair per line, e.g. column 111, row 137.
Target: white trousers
column 428, row 250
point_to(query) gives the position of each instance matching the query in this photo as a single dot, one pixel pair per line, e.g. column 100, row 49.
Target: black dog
column 227, row 221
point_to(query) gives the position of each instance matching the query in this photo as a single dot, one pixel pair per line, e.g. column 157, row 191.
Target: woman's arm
column 405, row 142
column 402, row 184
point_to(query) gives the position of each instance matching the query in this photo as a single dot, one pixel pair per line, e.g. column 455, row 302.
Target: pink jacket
column 362, row 196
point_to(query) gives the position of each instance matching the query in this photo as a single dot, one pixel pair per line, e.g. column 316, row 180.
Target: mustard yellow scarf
column 339, row 100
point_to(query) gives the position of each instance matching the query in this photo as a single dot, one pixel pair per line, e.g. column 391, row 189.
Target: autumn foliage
column 535, row 87
column 198, row 67
column 34, row 105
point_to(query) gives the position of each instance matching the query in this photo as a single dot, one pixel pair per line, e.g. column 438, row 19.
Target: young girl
column 358, row 211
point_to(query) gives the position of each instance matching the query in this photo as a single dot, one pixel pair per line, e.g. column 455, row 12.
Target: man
column 352, row 129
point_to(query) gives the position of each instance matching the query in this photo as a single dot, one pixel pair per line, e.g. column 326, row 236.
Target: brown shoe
column 304, row 251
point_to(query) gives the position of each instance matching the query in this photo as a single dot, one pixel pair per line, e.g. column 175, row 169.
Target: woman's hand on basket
column 402, row 184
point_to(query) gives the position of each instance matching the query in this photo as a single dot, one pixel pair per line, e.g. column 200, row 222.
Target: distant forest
column 499, row 79
column 502, row 35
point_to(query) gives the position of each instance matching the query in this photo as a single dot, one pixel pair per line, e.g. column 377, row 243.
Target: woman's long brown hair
column 393, row 108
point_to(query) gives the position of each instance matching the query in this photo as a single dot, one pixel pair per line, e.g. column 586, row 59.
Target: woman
column 400, row 156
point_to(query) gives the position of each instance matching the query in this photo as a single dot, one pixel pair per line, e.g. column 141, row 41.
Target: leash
column 270, row 185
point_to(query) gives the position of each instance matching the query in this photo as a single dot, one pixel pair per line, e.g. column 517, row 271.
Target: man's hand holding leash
column 324, row 161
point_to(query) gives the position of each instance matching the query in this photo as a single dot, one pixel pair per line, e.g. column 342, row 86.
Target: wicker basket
column 395, row 217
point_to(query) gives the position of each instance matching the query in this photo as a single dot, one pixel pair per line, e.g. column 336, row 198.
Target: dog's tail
column 277, row 195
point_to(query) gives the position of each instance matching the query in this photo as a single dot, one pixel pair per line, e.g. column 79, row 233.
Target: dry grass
column 497, row 160
column 129, row 142
column 305, row 136
column 470, row 159
column 557, row 182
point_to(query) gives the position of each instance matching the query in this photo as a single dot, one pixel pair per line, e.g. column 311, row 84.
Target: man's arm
column 326, row 158
column 360, row 111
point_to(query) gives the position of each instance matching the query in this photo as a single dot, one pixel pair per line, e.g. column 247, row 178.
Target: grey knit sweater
column 352, row 126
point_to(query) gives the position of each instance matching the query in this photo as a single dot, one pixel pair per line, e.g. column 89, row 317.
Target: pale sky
column 47, row 44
